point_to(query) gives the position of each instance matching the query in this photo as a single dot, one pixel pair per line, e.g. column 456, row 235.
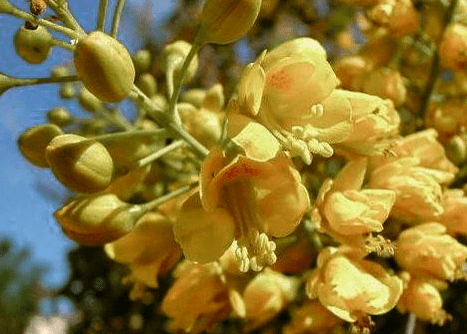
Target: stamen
column 255, row 251
column 317, row 110
column 379, row 245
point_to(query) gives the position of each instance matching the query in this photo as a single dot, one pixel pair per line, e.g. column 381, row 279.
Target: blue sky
column 26, row 213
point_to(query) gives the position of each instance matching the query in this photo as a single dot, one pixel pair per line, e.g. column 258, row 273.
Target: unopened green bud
column 92, row 127
column 59, row 72
column 225, row 21
column 97, row 220
column 126, row 152
column 33, row 142
column 59, row 116
column 88, row 101
column 202, row 124
column 160, row 101
column 6, row 7
column 147, row 83
column 67, row 90
column 456, row 149
column 82, row 167
column 142, row 61
column 194, row 96
column 174, row 55
column 214, row 99
column 104, row 66
column 33, row 45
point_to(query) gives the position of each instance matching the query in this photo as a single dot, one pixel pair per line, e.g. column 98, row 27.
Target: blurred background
column 33, row 251
column 50, row 285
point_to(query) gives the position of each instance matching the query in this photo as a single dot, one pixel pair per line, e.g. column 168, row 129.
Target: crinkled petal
column 250, row 90
column 203, row 235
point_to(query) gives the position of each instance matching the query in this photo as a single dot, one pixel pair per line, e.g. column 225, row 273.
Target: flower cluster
column 301, row 193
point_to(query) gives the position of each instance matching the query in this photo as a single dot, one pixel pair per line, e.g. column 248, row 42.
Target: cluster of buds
column 232, row 198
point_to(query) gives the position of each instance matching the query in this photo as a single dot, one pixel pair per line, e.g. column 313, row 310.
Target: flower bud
column 97, row 220
column 33, row 142
column 82, row 167
column 173, row 57
column 311, row 317
column 67, row 90
column 214, row 98
column 33, row 45
column 387, row 84
column 352, row 72
column 88, row 101
column 104, row 66
column 266, row 295
column 6, row 7
column 453, row 47
column 92, row 127
column 59, row 72
column 149, row 250
column 225, row 21
column 142, row 61
column 202, row 124
column 194, row 96
column 59, row 116
column 427, row 251
column 456, row 150
column 147, row 83
column 424, row 300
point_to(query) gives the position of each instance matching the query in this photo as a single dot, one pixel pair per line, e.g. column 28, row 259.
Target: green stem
column 101, row 15
column 169, row 79
column 164, row 121
column 61, row 9
column 435, row 68
column 161, row 200
column 114, row 119
column 155, row 134
column 156, row 155
column 6, row 8
column 7, row 82
column 62, row 44
column 195, row 47
column 116, row 18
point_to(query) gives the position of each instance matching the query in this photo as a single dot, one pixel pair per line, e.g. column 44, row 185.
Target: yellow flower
column 427, row 251
column 374, row 122
column 349, row 213
column 418, row 189
column 247, row 198
column 424, row 300
column 288, row 81
column 454, row 216
column 149, row 250
column 422, row 145
column 311, row 317
column 267, row 295
column 352, row 288
column 198, row 298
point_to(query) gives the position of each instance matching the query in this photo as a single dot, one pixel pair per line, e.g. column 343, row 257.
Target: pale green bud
column 59, row 72
column 82, row 167
column 59, row 116
column 88, row 100
column 97, row 220
column 67, row 90
column 173, row 57
column 194, row 96
column 225, row 21
column 33, row 142
column 147, row 83
column 104, row 66
column 142, row 61
column 33, row 45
